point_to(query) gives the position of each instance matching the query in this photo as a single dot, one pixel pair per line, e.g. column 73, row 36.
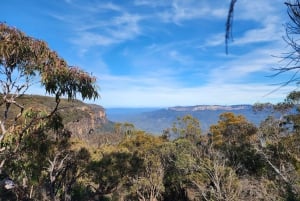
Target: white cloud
column 125, row 26
column 258, row 10
column 268, row 16
column 270, row 32
column 87, row 39
column 112, row 31
column 95, row 28
column 162, row 96
column 107, row 23
column 108, row 6
column 192, row 9
column 116, row 30
column 182, row 59
column 162, row 89
column 151, row 3
column 147, row 80
column 92, row 7
column 214, row 40
column 237, row 69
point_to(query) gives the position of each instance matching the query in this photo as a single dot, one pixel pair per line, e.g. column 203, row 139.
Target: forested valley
column 41, row 159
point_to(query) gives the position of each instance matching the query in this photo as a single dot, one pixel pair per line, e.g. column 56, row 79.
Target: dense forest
column 40, row 159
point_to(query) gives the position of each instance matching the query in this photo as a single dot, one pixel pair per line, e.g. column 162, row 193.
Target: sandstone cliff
column 80, row 118
column 85, row 120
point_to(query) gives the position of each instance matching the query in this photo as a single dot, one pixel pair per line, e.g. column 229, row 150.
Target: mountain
column 156, row 120
column 210, row 107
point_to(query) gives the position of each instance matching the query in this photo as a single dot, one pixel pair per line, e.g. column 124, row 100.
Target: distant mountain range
column 210, row 107
column 155, row 120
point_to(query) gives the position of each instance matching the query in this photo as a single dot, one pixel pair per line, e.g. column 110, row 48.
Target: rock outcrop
column 87, row 120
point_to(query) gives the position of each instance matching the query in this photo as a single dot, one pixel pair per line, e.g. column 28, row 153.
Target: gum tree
column 23, row 61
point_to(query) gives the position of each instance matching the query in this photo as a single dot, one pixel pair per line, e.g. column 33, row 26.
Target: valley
column 155, row 120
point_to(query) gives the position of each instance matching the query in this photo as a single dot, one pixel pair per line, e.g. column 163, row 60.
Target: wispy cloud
column 159, row 68
column 225, row 85
column 87, row 39
column 258, row 44
column 239, row 67
column 146, row 80
column 181, row 11
column 164, row 95
column 116, row 30
column 271, row 31
column 125, row 26
column 151, row 3
column 260, row 12
column 98, row 28
column 268, row 14
column 214, row 40
column 108, row 6
column 107, row 23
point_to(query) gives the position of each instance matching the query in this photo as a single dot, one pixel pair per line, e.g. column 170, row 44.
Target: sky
column 163, row 53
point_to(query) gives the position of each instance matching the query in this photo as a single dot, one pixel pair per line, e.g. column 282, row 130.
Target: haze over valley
column 155, row 120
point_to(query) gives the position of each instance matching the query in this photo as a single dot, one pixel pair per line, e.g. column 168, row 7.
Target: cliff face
column 85, row 120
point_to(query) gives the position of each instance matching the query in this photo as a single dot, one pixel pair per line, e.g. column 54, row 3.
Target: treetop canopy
column 30, row 56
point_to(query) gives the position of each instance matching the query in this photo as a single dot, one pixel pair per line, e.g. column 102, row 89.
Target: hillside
column 157, row 120
column 80, row 118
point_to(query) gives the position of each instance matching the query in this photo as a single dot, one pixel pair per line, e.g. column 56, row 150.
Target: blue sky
column 148, row 53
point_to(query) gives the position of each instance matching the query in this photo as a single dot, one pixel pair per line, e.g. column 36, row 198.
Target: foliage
column 34, row 138
column 187, row 127
column 232, row 129
column 31, row 57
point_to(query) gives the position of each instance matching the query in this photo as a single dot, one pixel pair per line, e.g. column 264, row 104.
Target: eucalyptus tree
column 24, row 61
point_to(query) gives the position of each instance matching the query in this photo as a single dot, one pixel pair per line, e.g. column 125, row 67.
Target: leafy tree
column 131, row 170
column 110, row 173
column 280, row 151
column 215, row 180
column 178, row 162
column 281, row 155
column 147, row 182
column 187, row 127
column 124, row 129
column 279, row 146
column 235, row 137
column 23, row 61
column 232, row 129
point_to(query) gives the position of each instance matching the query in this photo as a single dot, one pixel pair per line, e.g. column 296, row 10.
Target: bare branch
column 292, row 58
column 276, row 169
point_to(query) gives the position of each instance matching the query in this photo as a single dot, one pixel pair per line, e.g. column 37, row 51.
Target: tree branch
column 229, row 24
